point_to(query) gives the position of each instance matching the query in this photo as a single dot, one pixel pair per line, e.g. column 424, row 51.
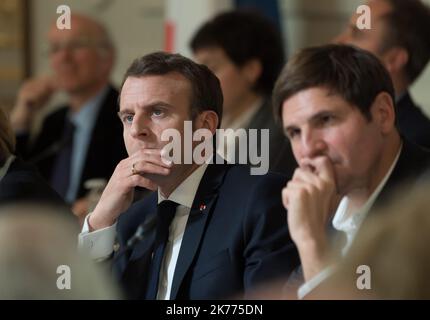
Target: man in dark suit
column 79, row 141
column 210, row 231
column 337, row 106
column 245, row 51
column 399, row 37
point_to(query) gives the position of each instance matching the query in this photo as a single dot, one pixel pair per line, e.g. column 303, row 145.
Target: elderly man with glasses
column 83, row 139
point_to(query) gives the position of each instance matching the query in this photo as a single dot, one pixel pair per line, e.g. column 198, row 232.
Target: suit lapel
column 135, row 274
column 412, row 163
column 145, row 244
column 202, row 208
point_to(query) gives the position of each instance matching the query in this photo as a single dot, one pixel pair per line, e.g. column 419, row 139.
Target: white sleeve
column 97, row 244
column 307, row 287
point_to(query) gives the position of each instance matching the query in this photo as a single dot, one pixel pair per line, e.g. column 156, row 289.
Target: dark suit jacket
column 105, row 150
column 412, row 122
column 413, row 162
column 240, row 239
column 23, row 183
column 281, row 156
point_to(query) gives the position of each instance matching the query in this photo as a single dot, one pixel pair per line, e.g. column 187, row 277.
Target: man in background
column 82, row 140
column 400, row 38
column 245, row 52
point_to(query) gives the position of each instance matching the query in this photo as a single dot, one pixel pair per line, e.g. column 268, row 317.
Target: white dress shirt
column 349, row 224
column 99, row 244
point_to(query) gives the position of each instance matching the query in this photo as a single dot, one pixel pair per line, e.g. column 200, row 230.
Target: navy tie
column 165, row 212
column 60, row 178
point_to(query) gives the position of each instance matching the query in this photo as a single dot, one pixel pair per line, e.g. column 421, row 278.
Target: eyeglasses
column 75, row 45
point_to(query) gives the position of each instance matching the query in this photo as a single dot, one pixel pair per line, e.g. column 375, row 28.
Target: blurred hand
column 33, row 95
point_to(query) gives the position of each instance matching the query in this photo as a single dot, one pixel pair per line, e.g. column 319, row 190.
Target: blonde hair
column 7, row 137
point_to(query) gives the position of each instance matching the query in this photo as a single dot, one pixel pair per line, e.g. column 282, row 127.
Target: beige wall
column 137, row 28
column 313, row 22
column 310, row 22
column 12, row 68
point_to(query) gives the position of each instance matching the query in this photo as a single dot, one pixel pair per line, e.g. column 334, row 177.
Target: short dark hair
column 245, row 35
column 408, row 26
column 206, row 88
column 352, row 73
